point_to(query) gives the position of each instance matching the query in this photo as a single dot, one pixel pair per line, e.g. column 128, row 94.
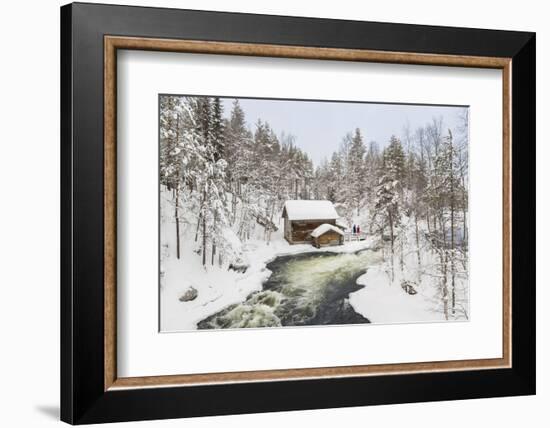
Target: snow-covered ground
column 383, row 303
column 218, row 287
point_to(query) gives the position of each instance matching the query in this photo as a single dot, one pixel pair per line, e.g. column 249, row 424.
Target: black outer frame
column 83, row 399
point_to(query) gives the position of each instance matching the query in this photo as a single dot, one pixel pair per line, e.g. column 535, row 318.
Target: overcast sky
column 319, row 126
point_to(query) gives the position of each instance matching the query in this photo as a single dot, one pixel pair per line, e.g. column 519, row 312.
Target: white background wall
column 29, row 218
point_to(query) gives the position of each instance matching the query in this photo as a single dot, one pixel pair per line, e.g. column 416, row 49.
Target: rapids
column 304, row 289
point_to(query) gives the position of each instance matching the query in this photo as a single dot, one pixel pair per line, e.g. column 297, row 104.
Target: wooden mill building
column 327, row 235
column 303, row 217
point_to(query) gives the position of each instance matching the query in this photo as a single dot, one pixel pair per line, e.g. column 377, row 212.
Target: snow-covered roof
column 324, row 228
column 310, row 210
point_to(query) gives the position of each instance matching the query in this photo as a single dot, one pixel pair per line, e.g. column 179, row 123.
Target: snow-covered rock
column 239, row 265
column 409, row 287
column 190, row 294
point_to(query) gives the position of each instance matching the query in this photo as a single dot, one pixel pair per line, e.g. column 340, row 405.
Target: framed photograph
column 316, row 212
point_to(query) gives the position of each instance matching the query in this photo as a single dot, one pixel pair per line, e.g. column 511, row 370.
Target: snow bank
column 383, row 303
column 217, row 286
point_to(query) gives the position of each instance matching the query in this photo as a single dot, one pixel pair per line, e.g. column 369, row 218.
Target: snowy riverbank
column 219, row 287
column 383, row 303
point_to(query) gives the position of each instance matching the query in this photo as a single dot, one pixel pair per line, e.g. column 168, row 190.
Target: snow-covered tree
column 356, row 169
column 181, row 152
column 393, row 161
column 372, row 167
column 389, row 193
column 387, row 209
column 217, row 129
column 210, row 179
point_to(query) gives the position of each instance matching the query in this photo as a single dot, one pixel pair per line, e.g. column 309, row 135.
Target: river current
column 303, row 289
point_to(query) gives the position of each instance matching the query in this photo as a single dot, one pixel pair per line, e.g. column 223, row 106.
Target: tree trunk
column 176, row 215
column 428, row 221
column 419, row 259
column 444, row 291
column 198, row 222
column 204, row 235
column 198, row 227
column 214, row 241
column 464, row 226
column 390, row 218
column 464, row 212
column 234, row 208
column 444, row 262
column 401, row 249
column 270, row 223
column 453, row 294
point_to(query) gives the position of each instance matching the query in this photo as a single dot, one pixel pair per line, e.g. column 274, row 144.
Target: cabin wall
column 288, row 229
column 329, row 238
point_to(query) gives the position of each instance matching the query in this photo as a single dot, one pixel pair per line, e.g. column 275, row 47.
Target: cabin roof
column 324, row 228
column 310, row 210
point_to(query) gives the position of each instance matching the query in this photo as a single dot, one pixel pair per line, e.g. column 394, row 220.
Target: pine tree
column 217, row 129
column 372, row 167
column 347, row 191
column 180, row 152
column 169, row 128
column 356, row 169
column 236, row 139
column 418, row 188
column 394, row 161
column 389, row 193
column 387, row 207
column 170, row 155
column 207, row 171
column 443, row 194
column 239, row 155
column 336, row 176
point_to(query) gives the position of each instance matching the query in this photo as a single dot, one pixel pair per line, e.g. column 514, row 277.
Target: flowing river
column 303, row 289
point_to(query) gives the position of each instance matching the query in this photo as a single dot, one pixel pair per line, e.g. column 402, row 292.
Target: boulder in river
column 190, row 294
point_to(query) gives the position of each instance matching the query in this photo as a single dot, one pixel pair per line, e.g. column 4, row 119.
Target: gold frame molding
column 113, row 43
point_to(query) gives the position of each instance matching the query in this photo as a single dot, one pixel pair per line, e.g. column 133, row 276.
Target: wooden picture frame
column 91, row 390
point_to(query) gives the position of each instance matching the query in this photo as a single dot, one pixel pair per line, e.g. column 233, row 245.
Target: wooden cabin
column 303, row 217
column 327, row 235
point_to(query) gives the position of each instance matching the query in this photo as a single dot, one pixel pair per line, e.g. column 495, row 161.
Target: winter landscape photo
column 277, row 212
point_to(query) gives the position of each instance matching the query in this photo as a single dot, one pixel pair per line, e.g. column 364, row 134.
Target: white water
column 304, row 289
